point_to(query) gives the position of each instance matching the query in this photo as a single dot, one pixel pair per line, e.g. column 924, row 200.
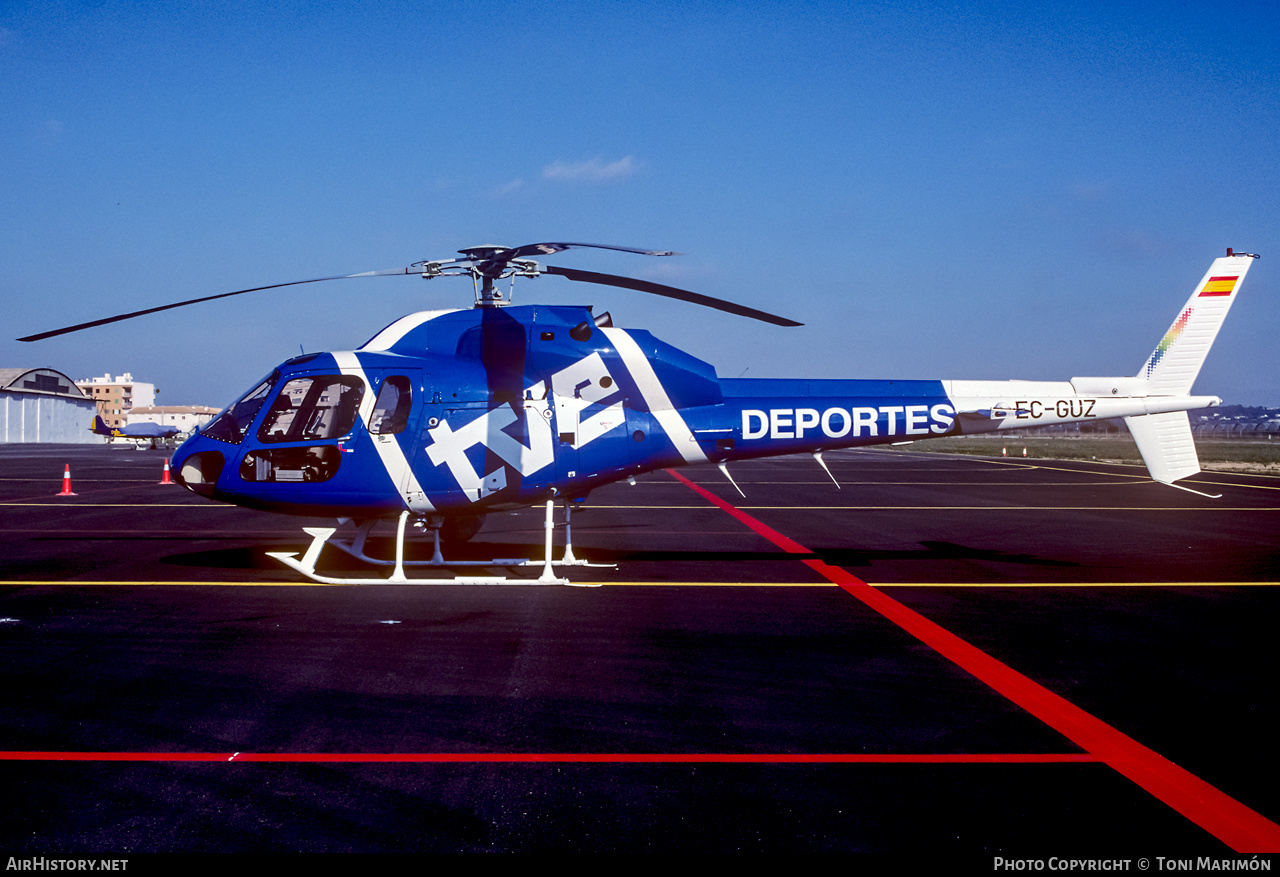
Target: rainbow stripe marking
column 1219, row 286
column 1176, row 330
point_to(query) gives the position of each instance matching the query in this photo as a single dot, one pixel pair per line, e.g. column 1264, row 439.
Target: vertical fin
column 1173, row 365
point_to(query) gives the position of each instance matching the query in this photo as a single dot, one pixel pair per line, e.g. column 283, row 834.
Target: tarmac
column 978, row 657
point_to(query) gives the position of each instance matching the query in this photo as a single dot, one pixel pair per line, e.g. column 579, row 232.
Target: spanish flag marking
column 1219, row 286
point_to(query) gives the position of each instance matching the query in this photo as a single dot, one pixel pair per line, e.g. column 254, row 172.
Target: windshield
column 231, row 425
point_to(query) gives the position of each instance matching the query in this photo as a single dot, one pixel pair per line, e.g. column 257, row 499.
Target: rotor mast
column 491, row 262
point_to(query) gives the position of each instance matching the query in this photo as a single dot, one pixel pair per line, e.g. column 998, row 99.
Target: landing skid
column 320, row 536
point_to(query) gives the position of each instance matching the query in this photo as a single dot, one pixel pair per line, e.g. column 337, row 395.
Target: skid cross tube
column 356, row 547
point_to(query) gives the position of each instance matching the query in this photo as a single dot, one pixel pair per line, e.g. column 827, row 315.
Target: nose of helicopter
column 198, row 464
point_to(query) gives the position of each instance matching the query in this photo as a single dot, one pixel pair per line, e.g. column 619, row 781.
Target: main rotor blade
column 670, row 292
column 548, row 249
column 105, row 320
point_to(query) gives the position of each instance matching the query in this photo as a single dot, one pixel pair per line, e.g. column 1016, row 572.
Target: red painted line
column 569, row 757
column 1241, row 828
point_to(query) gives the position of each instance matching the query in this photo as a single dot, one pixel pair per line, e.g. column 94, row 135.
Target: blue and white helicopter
column 445, row 416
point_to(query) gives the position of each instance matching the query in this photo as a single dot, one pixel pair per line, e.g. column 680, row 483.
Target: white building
column 43, row 405
column 117, row 397
column 184, row 417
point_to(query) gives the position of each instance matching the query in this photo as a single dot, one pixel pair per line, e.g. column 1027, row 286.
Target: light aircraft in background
column 152, row 435
column 445, row 416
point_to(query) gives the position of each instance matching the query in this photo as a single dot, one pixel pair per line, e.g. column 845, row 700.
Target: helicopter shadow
column 256, row 557
column 929, row 551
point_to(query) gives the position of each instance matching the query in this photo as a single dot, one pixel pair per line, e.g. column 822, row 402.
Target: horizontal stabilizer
column 1165, row 442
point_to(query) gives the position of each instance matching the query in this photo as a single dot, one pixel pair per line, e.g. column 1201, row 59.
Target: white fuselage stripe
column 392, row 456
column 655, row 397
column 390, row 336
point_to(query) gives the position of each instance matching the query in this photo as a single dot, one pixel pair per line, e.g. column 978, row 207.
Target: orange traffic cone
column 66, row 482
column 166, row 479
column 1024, row 452
column 1004, row 452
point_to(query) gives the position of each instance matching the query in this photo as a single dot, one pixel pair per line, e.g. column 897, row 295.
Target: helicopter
column 445, row 416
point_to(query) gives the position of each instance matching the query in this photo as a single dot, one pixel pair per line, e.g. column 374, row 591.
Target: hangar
column 44, row 405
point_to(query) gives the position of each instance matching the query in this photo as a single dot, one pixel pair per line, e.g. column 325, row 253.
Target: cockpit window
column 233, row 422
column 310, row 408
column 391, row 411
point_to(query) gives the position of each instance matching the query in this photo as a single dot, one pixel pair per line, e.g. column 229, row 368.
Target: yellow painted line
column 1075, row 584
column 441, row 582
column 101, row 584
column 709, row 584
column 852, row 508
column 941, row 584
column 534, row 582
column 987, row 483
column 1020, row 464
column 838, row 464
column 120, row 505
column 1016, row 508
column 951, row 508
column 935, row 584
column 1236, row 484
column 1142, row 475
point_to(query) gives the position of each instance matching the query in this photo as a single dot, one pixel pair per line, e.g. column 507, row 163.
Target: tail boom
column 992, row 406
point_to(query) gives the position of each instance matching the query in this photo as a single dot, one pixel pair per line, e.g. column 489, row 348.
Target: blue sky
column 955, row 190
